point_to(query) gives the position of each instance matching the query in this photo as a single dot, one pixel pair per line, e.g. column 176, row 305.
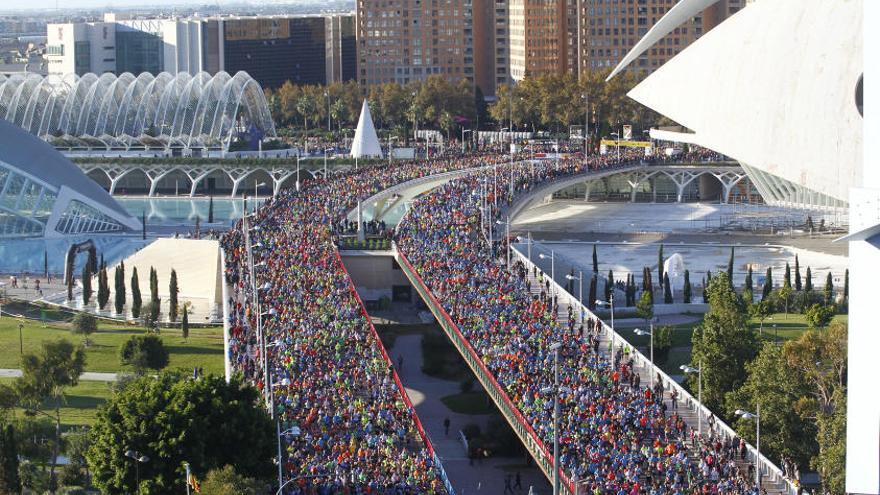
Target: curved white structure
column 181, row 111
column 43, row 194
column 365, row 143
column 773, row 87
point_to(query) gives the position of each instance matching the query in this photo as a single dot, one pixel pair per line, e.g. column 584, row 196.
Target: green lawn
column 469, row 403
column 203, row 348
column 81, row 404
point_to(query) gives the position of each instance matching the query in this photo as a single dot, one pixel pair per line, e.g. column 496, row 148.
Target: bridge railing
column 400, row 388
column 535, row 446
column 767, row 467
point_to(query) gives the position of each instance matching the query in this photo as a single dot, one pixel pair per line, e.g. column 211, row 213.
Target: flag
column 191, row 480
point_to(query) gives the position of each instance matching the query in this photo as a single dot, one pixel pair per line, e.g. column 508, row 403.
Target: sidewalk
column 425, row 392
column 88, row 376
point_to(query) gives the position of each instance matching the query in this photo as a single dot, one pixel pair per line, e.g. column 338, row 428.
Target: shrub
column 144, row 351
column 84, row 324
column 819, row 315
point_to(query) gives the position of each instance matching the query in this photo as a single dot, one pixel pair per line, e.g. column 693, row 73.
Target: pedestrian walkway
column 88, row 376
column 486, row 477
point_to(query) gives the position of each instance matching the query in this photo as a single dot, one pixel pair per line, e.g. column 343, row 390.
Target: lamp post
column 138, row 459
column 586, row 99
column 580, row 279
column 649, row 334
column 617, row 138
column 610, row 304
column 507, row 238
column 20, row 340
column 552, row 268
column 699, row 371
column 256, row 186
column 463, row 132
column 554, row 348
column 293, row 431
column 757, row 417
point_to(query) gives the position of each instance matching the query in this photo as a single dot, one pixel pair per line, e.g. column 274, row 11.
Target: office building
column 409, row 40
column 272, row 49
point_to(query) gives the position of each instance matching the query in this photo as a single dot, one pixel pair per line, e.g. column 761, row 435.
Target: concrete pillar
column 588, row 186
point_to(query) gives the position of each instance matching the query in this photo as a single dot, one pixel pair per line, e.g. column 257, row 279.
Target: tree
column 136, row 301
column 171, row 419
column 778, row 388
column 846, row 287
column 86, row 284
column 786, row 282
column 819, row 315
column 768, row 284
column 184, row 323
column 645, row 307
column 211, row 209
column 662, row 343
column 143, row 352
column 730, row 268
column 45, row 378
column 9, row 479
column 119, row 288
column 660, row 261
column 724, row 343
column 592, row 302
column 667, row 290
column 172, row 296
column 831, row 460
column 784, row 293
column 748, row 283
column 84, row 324
column 828, row 292
column 686, row 292
column 76, row 445
column 226, row 481
column 808, row 282
column 797, row 274
column 595, row 260
column 155, row 303
column 647, row 283
column 103, row 288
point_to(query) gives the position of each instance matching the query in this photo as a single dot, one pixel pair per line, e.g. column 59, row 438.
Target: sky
column 15, row 5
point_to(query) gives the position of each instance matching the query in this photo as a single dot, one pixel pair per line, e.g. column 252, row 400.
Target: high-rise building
column 409, row 40
column 538, row 37
column 302, row 49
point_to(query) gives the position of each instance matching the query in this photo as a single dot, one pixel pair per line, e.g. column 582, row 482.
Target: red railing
column 397, row 381
column 544, row 452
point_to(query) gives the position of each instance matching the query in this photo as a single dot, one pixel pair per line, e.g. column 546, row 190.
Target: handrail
column 401, row 389
column 520, row 425
column 766, row 464
column 227, row 361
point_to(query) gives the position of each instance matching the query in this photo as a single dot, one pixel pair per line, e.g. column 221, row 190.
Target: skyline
column 110, row 5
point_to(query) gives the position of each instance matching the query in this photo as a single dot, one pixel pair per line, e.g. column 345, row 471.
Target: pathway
column 425, row 392
column 88, row 376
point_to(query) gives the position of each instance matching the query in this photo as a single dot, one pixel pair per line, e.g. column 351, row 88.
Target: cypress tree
column 660, row 261
column 768, row 284
column 748, row 284
column 630, row 289
column 808, row 283
column 211, row 209
column 592, row 302
column 595, row 260
column 609, row 285
column 667, row 290
column 829, row 289
column 86, row 284
column 846, row 287
column 119, row 289
column 730, row 268
column 184, row 323
column 786, row 282
column 103, row 288
column 155, row 302
column 9, row 478
column 686, row 292
column 172, row 296
column 797, row 273
column 705, row 293
column 136, row 301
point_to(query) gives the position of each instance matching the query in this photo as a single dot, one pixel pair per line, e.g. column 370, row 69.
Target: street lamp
column 554, row 348
column 463, row 132
column 699, row 371
column 580, row 279
column 586, row 133
column 138, row 459
column 617, row 137
column 643, row 333
column 757, row 417
column 257, row 185
column 20, row 341
column 552, row 268
column 610, row 304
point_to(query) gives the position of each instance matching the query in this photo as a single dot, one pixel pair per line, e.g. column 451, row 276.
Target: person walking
column 446, row 424
column 507, row 486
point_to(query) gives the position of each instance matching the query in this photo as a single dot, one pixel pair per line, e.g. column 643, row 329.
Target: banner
column 627, row 144
column 627, row 132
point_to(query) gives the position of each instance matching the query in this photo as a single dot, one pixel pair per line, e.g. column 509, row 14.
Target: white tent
column 366, row 143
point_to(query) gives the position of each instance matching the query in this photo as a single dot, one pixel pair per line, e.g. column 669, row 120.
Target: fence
column 767, row 467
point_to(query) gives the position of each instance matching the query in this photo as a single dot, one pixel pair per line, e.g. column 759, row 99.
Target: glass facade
column 26, row 204
column 139, row 51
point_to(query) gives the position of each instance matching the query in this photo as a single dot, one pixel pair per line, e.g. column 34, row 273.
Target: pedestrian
column 507, row 487
column 399, row 363
column 518, row 483
column 446, row 423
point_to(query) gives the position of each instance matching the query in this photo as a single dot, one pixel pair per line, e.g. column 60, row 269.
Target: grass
column 203, row 348
column 469, row 403
column 788, row 326
column 82, row 401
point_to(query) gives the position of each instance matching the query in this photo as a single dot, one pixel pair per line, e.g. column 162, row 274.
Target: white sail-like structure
column 366, row 143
